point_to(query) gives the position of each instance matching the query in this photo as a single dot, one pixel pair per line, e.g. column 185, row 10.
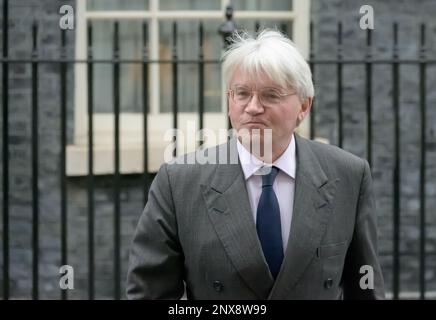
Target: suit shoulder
column 200, row 163
column 330, row 155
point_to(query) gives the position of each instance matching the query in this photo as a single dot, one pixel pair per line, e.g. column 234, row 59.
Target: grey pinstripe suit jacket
column 197, row 231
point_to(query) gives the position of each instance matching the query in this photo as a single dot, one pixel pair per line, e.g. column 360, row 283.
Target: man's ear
column 305, row 109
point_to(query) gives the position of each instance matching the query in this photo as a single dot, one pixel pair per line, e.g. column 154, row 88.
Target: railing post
column 200, row 81
column 396, row 173
column 312, row 68
column 145, row 85
column 368, row 87
column 117, row 242
column 35, row 194
column 422, row 171
column 63, row 142
column 226, row 29
column 339, row 87
column 175, row 86
column 90, row 178
column 5, row 152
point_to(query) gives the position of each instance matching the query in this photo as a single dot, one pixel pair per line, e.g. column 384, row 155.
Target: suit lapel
column 313, row 197
column 230, row 213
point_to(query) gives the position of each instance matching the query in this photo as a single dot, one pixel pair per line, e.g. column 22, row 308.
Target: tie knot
column 268, row 178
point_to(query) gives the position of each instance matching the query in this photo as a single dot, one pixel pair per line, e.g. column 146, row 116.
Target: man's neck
column 279, row 148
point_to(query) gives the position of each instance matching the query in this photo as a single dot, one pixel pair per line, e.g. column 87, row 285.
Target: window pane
column 190, row 5
column 262, row 5
column 188, row 73
column 117, row 5
column 130, row 33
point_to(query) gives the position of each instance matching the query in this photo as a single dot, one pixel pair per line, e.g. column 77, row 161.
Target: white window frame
column 131, row 124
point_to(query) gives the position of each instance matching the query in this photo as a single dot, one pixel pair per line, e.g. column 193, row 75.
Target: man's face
column 281, row 116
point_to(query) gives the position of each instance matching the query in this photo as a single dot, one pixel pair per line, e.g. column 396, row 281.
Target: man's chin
column 251, row 136
column 258, row 142
column 255, row 126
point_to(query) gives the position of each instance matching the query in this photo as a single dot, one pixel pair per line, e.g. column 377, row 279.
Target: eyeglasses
column 242, row 95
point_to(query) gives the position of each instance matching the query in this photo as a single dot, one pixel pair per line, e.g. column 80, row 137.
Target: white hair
column 270, row 53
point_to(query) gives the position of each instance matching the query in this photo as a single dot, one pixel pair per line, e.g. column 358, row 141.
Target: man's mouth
column 255, row 123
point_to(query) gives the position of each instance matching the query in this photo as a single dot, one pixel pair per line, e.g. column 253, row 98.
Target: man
column 299, row 226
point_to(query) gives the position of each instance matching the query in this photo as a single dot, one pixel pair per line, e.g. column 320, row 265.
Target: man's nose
column 254, row 106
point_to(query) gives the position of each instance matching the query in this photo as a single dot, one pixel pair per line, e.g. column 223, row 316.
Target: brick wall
column 409, row 15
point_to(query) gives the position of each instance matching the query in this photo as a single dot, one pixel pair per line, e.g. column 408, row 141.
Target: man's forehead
column 253, row 79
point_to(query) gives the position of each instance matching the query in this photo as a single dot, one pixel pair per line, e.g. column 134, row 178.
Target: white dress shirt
column 284, row 184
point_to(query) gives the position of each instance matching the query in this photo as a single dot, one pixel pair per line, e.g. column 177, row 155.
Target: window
column 290, row 16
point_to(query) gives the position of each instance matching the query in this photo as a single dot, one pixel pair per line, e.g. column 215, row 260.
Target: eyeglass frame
column 231, row 92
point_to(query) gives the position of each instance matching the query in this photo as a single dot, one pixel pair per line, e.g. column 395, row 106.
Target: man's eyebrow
column 276, row 88
column 266, row 87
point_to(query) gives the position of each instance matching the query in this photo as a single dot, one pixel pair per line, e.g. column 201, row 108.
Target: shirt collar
column 250, row 164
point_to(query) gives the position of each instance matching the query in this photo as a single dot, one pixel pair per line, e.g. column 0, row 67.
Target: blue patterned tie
column 268, row 223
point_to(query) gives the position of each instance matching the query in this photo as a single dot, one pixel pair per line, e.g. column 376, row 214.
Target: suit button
column 328, row 283
column 218, row 286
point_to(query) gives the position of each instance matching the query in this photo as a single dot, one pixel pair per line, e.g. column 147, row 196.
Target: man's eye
column 271, row 95
column 243, row 94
